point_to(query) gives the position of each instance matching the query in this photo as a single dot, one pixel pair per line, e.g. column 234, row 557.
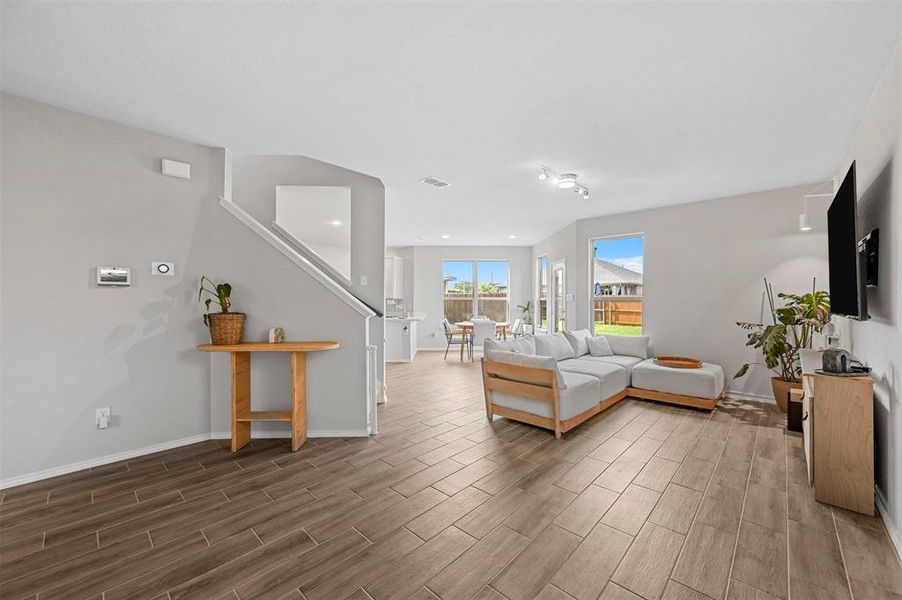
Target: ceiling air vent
column 436, row 183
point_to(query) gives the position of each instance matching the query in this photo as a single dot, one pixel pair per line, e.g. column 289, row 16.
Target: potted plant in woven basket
column 225, row 327
column 793, row 328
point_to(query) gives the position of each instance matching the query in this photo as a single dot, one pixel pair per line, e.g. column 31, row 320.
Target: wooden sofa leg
column 489, row 413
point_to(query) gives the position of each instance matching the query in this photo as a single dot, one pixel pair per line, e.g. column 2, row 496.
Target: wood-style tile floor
column 643, row 501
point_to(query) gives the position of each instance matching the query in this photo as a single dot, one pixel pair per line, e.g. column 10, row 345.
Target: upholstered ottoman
column 700, row 388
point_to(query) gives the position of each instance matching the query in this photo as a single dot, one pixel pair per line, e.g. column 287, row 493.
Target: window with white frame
column 541, row 306
column 475, row 287
column 617, row 285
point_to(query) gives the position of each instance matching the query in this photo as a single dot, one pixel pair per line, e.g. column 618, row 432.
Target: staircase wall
column 254, row 181
column 79, row 192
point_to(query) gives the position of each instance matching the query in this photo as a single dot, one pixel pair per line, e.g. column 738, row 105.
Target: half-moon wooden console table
column 242, row 415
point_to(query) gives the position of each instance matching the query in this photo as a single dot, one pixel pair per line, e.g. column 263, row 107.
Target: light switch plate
column 165, row 269
column 364, row 280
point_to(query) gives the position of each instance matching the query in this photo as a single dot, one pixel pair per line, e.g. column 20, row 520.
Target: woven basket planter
column 226, row 328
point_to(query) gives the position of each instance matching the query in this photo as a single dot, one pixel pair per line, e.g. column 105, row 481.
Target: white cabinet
column 394, row 277
column 400, row 340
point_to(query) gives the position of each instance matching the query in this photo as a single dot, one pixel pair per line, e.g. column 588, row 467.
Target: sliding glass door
column 559, row 296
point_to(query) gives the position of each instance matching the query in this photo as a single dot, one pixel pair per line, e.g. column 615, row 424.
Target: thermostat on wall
column 162, row 268
column 114, row 276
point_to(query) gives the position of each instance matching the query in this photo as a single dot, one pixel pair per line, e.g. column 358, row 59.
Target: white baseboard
column 202, row 437
column 753, row 397
column 318, row 433
column 101, row 460
column 895, row 535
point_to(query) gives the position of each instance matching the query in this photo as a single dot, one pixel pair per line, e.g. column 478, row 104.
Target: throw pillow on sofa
column 523, row 345
column 599, row 346
column 578, row 339
column 554, row 345
column 629, row 345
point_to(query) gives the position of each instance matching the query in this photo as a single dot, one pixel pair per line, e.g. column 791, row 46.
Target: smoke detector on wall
column 436, row 183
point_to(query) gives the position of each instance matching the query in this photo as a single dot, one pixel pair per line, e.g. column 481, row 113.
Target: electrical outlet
column 363, row 280
column 102, row 417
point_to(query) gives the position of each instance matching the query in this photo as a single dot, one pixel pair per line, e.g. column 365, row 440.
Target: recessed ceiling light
column 543, row 174
column 335, row 222
column 566, row 181
column 445, row 236
column 512, row 237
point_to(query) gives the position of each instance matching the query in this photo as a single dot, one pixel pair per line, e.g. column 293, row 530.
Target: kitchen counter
column 401, row 337
column 410, row 317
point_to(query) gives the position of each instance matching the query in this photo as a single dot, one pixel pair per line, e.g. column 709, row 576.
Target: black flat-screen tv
column 848, row 293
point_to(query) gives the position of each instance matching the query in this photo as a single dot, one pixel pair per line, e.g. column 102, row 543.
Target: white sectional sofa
column 558, row 381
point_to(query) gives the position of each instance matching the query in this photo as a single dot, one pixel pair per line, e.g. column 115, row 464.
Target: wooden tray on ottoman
column 678, row 362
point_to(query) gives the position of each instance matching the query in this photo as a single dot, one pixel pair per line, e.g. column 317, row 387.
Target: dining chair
column 516, row 329
column 483, row 329
column 450, row 332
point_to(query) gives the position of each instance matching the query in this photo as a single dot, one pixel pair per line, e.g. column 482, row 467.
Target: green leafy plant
column 793, row 328
column 526, row 309
column 461, row 286
column 220, row 293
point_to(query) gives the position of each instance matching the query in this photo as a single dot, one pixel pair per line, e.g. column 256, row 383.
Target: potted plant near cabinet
column 793, row 328
column 225, row 327
column 526, row 310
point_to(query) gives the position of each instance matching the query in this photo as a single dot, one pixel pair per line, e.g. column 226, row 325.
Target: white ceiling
column 650, row 103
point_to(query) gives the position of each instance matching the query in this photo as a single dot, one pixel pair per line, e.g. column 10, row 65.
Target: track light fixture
column 564, row 181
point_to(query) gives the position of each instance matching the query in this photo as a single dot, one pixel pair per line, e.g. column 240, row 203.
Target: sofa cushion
column 629, row 345
column 577, row 339
column 529, row 360
column 599, row 346
column 523, row 345
column 627, row 362
column 613, row 378
column 583, row 392
column 705, row 382
column 554, row 345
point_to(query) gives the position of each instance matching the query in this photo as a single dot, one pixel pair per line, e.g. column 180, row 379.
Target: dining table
column 466, row 330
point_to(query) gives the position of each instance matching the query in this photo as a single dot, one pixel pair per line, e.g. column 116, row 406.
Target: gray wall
column 704, row 264
column 254, row 181
column 877, row 150
column 78, row 192
column 427, row 282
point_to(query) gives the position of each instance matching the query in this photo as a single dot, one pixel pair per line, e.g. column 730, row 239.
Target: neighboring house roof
column 607, row 273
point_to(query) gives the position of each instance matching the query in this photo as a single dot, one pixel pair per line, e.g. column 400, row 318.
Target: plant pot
column 226, row 328
column 781, row 389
